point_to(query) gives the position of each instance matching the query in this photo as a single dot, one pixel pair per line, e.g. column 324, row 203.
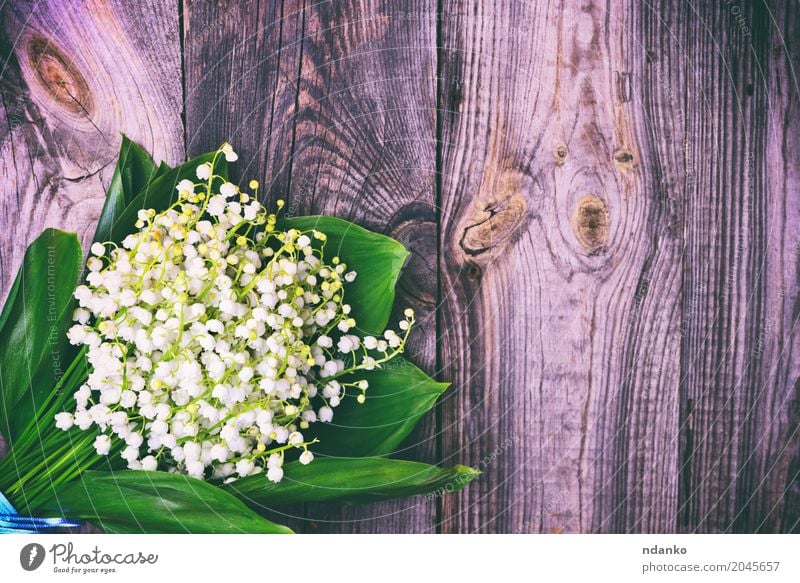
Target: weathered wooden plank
column 242, row 63
column 619, row 237
column 365, row 150
column 355, row 139
column 560, row 265
column 74, row 76
column 778, row 494
column 740, row 365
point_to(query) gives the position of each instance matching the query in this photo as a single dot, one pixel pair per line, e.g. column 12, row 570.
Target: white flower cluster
column 215, row 339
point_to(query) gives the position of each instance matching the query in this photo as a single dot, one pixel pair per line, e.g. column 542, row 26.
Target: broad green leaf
column 377, row 260
column 135, row 501
column 398, row 395
column 160, row 193
column 10, row 299
column 350, row 480
column 135, row 169
column 34, row 350
column 162, row 169
column 50, row 455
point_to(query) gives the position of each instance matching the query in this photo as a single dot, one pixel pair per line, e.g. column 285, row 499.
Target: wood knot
column 414, row 225
column 560, row 153
column 59, row 77
column 498, row 223
column 590, row 223
column 623, row 159
column 473, row 271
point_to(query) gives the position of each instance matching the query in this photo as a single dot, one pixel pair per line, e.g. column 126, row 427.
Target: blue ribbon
column 12, row 522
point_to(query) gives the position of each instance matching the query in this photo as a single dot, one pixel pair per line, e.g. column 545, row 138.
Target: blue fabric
column 12, row 522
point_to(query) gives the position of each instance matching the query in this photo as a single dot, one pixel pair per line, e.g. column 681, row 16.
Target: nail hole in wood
column 623, row 157
column 473, row 271
column 560, row 153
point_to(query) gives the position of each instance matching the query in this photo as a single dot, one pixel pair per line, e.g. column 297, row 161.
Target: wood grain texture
column 776, row 497
column 335, row 103
column 560, row 269
column 739, row 353
column 600, row 199
column 75, row 75
column 242, row 64
column 365, row 150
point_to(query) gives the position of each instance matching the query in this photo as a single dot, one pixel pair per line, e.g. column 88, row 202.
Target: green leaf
column 349, row 480
column 135, row 501
column 160, row 193
column 135, row 169
column 377, row 259
column 162, row 169
column 10, row 299
column 399, row 394
column 34, row 350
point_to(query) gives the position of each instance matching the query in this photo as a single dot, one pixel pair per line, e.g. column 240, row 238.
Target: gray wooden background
column 601, row 199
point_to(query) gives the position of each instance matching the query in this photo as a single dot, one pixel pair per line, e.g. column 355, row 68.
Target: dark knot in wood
column 560, row 153
column 59, row 77
column 473, row 271
column 623, row 159
column 414, row 225
column 498, row 223
column 590, row 223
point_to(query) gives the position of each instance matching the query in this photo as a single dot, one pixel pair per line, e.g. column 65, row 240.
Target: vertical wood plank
column 560, row 266
column 242, row 64
column 776, row 506
column 365, row 150
column 75, row 75
column 335, row 103
column 614, row 232
column 740, row 365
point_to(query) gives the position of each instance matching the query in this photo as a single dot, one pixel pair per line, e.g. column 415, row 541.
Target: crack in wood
column 500, row 220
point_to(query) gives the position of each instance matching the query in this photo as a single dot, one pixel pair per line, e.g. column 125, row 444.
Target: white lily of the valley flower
column 203, row 171
column 209, row 333
column 230, row 155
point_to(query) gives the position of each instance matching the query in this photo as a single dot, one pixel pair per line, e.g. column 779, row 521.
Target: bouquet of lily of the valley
column 212, row 361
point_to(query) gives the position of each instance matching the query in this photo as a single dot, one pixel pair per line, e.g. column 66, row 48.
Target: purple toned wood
column 619, row 265
column 242, row 62
column 600, row 198
column 365, row 150
column 73, row 77
column 739, row 358
column 560, row 273
column 772, row 500
column 309, row 94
